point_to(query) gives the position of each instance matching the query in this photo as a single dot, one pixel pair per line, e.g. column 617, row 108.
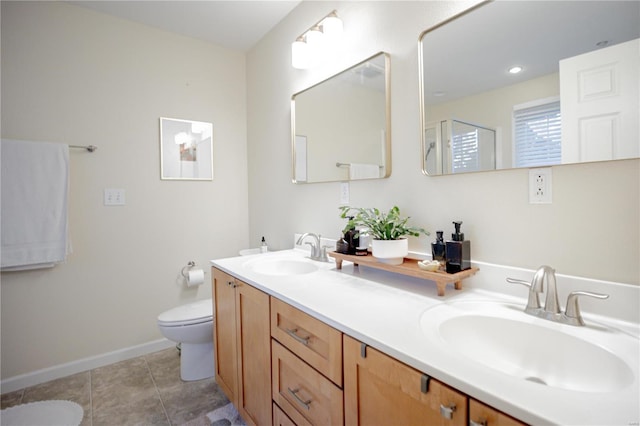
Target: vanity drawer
column 312, row 340
column 481, row 414
column 280, row 418
column 305, row 395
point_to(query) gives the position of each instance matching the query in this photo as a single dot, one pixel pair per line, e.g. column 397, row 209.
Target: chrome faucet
column 318, row 252
column 551, row 310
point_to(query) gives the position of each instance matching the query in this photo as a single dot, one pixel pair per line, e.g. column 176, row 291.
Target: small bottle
column 263, row 246
column 458, row 251
column 350, row 236
column 342, row 246
column 438, row 248
column 362, row 248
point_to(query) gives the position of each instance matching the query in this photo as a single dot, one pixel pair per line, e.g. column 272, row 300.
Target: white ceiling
column 238, row 24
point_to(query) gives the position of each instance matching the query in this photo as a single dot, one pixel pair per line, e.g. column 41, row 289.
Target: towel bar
column 89, row 148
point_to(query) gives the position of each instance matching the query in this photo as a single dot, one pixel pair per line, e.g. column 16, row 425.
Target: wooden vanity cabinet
column 381, row 390
column 242, row 346
column 280, row 366
column 483, row 415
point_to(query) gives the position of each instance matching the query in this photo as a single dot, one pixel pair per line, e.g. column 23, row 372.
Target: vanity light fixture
column 309, row 47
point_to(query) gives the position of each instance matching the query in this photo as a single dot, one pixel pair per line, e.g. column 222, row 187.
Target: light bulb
column 314, row 37
column 332, row 27
column 299, row 54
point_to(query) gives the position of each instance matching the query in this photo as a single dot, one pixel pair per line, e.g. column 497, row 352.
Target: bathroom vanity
column 300, row 342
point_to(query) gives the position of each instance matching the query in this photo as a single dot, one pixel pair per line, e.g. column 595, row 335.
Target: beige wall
column 591, row 229
column 75, row 76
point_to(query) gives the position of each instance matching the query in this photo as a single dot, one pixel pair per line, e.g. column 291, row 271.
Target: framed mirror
column 186, row 149
column 340, row 127
column 530, row 83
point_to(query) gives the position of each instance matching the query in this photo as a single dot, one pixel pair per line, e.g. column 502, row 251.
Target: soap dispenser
column 438, row 248
column 263, row 246
column 458, row 251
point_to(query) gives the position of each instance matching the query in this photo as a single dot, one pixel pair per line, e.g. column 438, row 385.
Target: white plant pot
column 392, row 252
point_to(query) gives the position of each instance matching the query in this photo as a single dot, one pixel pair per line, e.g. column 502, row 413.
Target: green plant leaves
column 380, row 225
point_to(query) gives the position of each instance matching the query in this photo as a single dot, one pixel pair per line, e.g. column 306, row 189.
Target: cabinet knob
column 447, row 411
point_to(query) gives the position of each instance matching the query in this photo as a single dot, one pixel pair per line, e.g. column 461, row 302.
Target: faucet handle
column 572, row 313
column 323, row 253
column 533, row 303
column 521, row 282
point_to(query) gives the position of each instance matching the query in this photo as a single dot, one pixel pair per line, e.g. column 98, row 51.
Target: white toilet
column 191, row 325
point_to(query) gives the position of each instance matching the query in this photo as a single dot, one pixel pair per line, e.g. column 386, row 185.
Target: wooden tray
column 409, row 268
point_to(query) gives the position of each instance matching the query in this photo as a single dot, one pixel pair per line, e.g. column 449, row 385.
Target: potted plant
column 388, row 230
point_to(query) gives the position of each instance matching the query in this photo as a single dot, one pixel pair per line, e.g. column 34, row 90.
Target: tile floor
column 142, row 391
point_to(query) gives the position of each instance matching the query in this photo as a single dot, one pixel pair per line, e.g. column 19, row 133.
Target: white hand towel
column 363, row 171
column 35, row 181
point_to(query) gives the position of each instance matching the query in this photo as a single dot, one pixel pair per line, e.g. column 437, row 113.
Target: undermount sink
column 281, row 267
column 502, row 337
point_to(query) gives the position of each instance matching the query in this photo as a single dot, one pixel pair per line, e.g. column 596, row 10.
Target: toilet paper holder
column 185, row 269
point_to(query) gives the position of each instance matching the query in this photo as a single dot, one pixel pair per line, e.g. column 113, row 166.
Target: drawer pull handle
column 447, row 411
column 294, row 394
column 292, row 333
column 481, row 422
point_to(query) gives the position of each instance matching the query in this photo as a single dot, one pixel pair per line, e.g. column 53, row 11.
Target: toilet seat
column 190, row 314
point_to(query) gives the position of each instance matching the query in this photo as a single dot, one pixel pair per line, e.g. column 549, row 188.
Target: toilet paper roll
column 195, row 277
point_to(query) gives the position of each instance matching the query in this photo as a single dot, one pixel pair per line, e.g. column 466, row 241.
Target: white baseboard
column 41, row 376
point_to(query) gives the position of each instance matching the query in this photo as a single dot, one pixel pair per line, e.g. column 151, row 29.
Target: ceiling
column 238, row 24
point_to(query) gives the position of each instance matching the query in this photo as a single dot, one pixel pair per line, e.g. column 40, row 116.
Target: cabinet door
column 224, row 334
column 480, row 414
column 254, row 355
column 381, row 390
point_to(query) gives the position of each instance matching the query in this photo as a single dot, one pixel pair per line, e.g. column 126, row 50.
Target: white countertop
column 385, row 310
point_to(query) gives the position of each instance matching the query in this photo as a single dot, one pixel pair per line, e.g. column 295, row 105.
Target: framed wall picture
column 186, row 149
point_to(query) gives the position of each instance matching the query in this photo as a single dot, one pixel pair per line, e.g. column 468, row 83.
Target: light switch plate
column 114, row 197
column 344, row 193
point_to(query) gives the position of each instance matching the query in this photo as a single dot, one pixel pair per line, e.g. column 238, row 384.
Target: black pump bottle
column 458, row 251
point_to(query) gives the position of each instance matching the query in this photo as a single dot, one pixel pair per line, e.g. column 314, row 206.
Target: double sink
column 494, row 334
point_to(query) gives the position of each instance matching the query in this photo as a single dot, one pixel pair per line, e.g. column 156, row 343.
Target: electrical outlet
column 540, row 186
column 344, row 193
column 114, row 197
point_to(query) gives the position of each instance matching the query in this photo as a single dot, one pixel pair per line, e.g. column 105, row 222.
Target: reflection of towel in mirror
column 363, row 171
column 35, row 180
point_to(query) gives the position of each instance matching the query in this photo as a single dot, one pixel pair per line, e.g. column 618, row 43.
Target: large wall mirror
column 341, row 126
column 573, row 98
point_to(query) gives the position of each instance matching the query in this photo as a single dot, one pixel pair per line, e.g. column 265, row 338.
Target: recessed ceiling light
column 515, row 70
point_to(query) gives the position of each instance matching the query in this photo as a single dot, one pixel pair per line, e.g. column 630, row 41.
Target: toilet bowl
column 191, row 325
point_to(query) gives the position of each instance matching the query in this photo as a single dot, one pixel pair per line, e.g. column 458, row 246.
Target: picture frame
column 186, row 149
